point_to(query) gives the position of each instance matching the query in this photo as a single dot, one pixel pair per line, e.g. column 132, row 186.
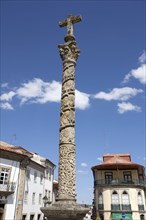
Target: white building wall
column 9, row 211
column 49, row 183
column 33, row 186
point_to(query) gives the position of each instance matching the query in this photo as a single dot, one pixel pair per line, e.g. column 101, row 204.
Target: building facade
column 119, row 189
column 26, row 183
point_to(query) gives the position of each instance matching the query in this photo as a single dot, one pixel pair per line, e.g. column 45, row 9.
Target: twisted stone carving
column 67, row 150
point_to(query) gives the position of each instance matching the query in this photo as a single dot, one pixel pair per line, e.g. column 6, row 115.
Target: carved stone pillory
column 65, row 208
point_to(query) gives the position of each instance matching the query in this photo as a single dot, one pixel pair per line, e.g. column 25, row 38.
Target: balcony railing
column 134, row 182
column 141, row 207
column 126, row 207
column 115, row 207
column 100, row 207
column 7, row 187
column 118, row 207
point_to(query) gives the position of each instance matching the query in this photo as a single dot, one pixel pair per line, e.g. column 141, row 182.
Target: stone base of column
column 65, row 210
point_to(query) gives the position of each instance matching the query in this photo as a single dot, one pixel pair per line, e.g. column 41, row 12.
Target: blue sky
column 110, row 80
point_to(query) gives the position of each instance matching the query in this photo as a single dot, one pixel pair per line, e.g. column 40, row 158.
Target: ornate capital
column 69, row 52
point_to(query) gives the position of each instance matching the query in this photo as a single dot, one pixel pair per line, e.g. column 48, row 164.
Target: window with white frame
column 115, row 204
column 100, row 201
column 28, row 174
column 100, row 198
column 47, row 173
column 40, row 199
column 4, row 175
column 41, row 178
column 33, row 198
column 50, row 173
column 140, row 201
column 115, row 198
column 125, row 198
column 35, row 177
column 25, row 197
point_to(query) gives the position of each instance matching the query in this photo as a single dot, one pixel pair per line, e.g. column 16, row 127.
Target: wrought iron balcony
column 141, row 207
column 126, row 207
column 7, row 188
column 115, row 207
column 100, row 207
column 134, row 182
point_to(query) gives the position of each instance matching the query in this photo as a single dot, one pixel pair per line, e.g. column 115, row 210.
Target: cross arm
column 63, row 23
column 76, row 19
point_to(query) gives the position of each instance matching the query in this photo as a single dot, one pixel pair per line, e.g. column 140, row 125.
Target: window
column 39, row 217
column 115, row 198
column 46, row 192
column 28, row 174
column 33, row 198
column 4, row 175
column 41, row 178
column 47, row 173
column 125, row 201
column 25, row 197
column 100, row 201
column 127, row 177
column 141, row 217
column 108, row 177
column 140, row 202
column 115, row 201
column 40, row 198
column 50, row 173
column 23, row 217
column 31, row 217
column 35, row 177
column 49, row 195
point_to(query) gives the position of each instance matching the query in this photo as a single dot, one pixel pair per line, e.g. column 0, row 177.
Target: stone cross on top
column 69, row 23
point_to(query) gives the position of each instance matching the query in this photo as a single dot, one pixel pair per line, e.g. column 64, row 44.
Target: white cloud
column 7, row 96
column 81, row 100
column 31, row 90
column 121, row 94
column 142, row 58
column 84, row 172
column 83, row 164
column 139, row 74
column 127, row 106
column 51, row 92
column 6, row 106
column 41, row 92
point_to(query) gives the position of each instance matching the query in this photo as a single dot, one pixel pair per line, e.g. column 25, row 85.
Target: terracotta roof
column 120, row 161
column 10, row 148
column 116, row 158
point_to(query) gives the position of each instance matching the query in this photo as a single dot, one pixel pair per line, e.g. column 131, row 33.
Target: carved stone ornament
column 67, row 171
column 69, row 51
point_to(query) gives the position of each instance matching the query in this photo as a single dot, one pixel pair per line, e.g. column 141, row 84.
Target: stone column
column 67, row 149
column 65, row 208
